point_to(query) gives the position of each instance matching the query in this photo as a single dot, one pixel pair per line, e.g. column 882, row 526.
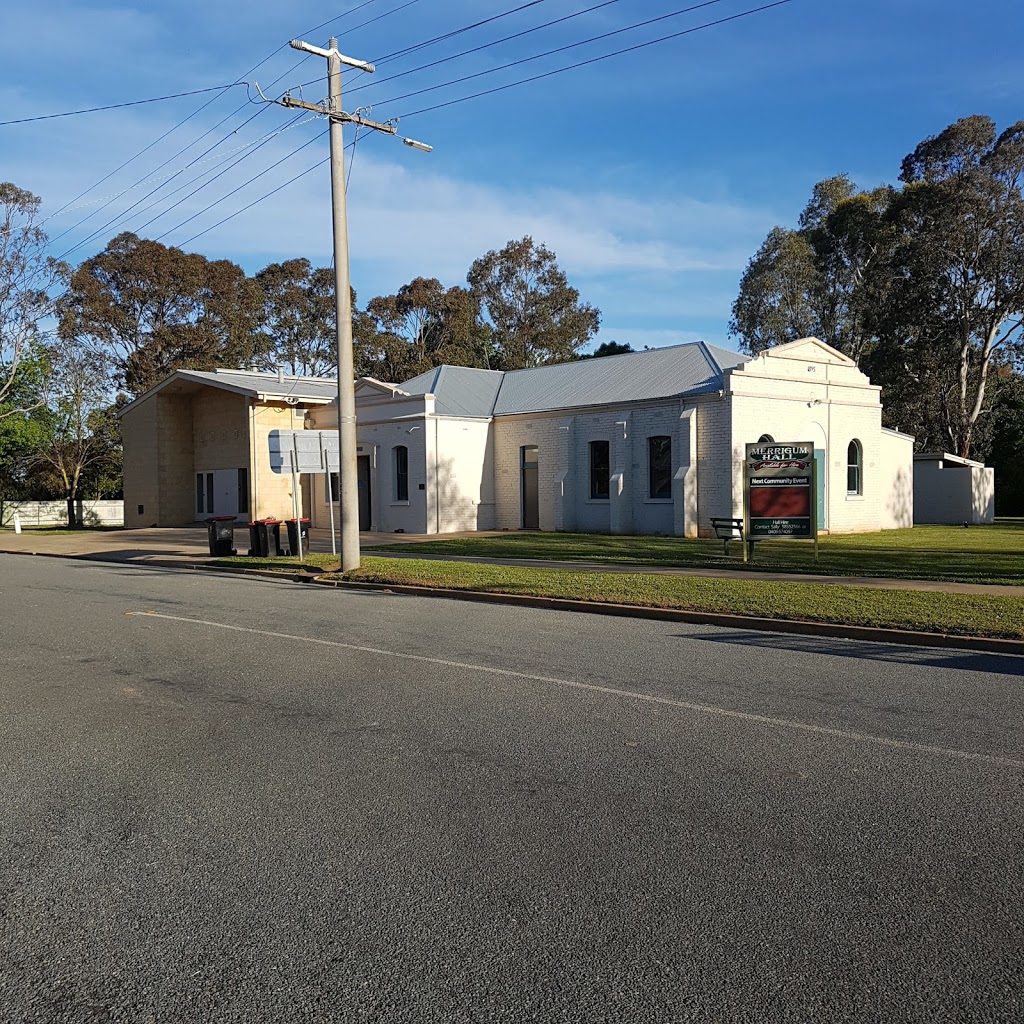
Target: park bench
column 729, row 528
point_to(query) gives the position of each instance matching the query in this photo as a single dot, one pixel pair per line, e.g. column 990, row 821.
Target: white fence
column 55, row 513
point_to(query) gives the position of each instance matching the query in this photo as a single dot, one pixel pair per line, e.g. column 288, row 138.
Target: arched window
column 766, row 439
column 854, row 468
column 401, row 460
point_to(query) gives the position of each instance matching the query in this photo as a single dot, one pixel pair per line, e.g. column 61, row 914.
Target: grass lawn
column 979, row 554
column 929, row 611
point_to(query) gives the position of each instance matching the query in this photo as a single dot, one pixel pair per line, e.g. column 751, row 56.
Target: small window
column 854, row 468
column 599, row 471
column 200, row 494
column 335, row 484
column 659, row 466
column 243, row 490
column 401, row 457
column 766, row 439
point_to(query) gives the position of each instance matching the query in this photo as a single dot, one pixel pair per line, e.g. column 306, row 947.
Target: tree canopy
column 154, row 309
column 922, row 284
column 28, row 280
column 532, row 314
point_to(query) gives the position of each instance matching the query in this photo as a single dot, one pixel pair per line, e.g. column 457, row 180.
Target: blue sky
column 653, row 175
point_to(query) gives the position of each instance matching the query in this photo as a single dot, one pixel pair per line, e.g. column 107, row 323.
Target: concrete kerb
column 798, row 627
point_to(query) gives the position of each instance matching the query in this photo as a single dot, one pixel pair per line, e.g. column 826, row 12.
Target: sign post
column 779, row 492
column 306, row 451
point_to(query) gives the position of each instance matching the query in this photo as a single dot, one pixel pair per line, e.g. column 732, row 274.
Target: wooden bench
column 728, row 528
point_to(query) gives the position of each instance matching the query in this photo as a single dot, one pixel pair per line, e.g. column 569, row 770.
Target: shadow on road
column 964, row 661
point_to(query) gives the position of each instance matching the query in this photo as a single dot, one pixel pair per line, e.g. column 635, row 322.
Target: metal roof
column 690, row 369
column 613, row 380
column 269, row 384
column 251, row 383
column 458, row 390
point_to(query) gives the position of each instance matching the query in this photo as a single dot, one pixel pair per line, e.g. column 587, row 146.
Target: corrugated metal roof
column 249, row 382
column 612, row 380
column 313, row 388
column 459, row 390
column 690, row 369
column 726, row 359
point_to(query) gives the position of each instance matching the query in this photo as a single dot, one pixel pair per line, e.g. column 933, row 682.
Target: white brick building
column 642, row 443
column 645, row 443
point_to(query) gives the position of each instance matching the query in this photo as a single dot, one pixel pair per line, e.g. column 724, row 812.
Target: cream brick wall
column 141, row 468
column 272, row 491
column 174, row 441
column 563, row 470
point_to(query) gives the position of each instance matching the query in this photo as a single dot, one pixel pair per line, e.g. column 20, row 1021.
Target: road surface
column 223, row 799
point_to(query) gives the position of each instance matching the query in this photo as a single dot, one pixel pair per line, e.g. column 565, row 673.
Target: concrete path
column 188, row 546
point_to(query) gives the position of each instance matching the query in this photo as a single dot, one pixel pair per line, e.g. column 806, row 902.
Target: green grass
column 929, row 611
column 283, row 563
column 979, row 554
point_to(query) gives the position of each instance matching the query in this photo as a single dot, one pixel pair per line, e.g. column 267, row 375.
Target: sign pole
column 330, row 509
column 814, row 500
column 295, row 497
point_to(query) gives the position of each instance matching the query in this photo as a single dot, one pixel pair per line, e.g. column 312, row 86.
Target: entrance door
column 530, row 492
column 225, row 492
column 363, row 486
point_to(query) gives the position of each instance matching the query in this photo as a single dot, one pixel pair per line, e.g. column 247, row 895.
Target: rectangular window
column 200, row 495
column 659, row 467
column 599, row 469
column 209, row 493
column 243, row 490
column 335, row 495
column 401, row 473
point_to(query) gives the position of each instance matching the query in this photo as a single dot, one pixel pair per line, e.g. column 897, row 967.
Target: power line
column 594, row 60
column 249, row 206
column 265, row 170
column 455, row 32
column 550, row 53
column 252, row 148
column 127, row 103
column 331, row 21
column 155, row 142
column 483, row 46
column 509, row 85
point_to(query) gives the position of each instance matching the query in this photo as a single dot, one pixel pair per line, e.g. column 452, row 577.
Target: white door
column 225, row 492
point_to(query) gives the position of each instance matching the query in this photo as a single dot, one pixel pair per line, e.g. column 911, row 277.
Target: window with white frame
column 599, row 470
column 855, row 468
column 659, row 467
column 401, row 464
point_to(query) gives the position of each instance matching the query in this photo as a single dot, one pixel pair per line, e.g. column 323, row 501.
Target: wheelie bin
column 265, row 538
column 293, row 536
column 221, row 534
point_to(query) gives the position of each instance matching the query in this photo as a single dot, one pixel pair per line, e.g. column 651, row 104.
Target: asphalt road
column 270, row 802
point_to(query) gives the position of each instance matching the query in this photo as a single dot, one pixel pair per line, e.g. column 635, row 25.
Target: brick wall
column 563, row 442
column 141, row 465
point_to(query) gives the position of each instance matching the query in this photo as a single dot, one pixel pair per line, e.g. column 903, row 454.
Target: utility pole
column 348, row 485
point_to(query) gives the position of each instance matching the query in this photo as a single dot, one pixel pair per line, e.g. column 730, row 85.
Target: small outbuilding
column 197, row 444
column 951, row 490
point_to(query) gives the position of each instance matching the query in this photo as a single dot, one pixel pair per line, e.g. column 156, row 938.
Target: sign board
column 779, row 491
column 304, row 451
